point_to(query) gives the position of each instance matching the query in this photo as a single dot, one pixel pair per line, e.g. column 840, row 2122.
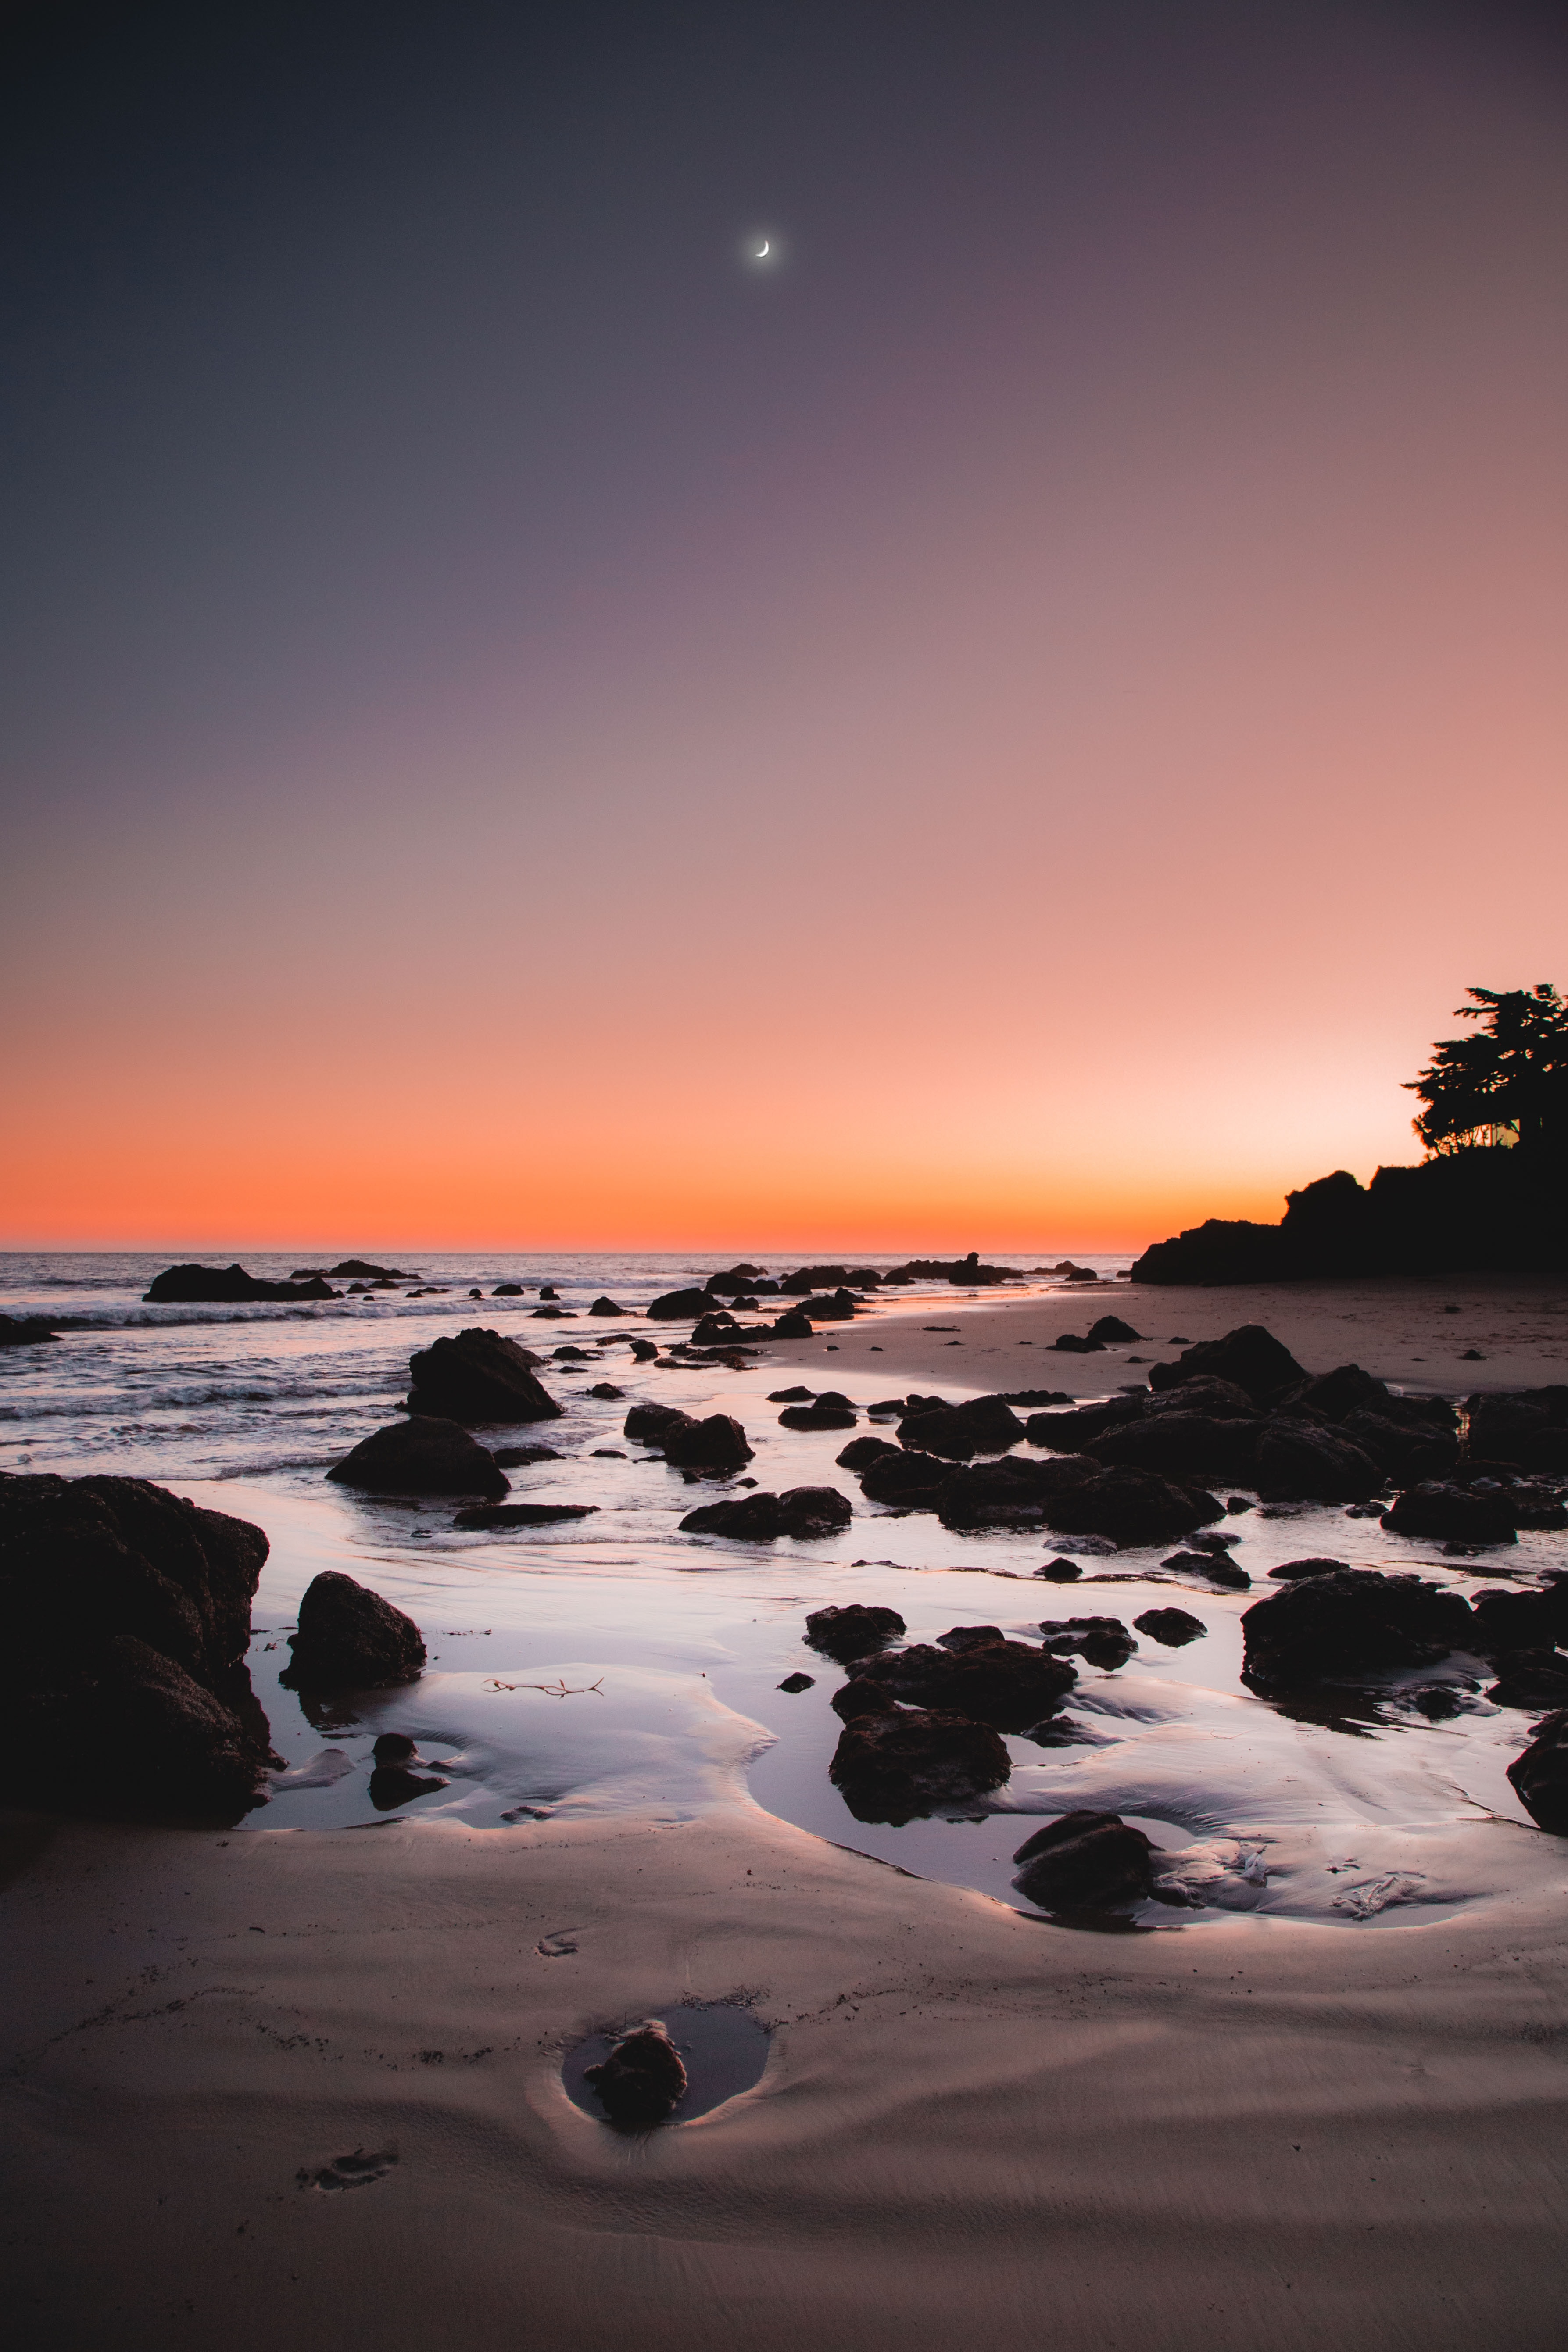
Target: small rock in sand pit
column 392, row 1785
column 642, row 2081
column 1086, row 1862
column 854, row 1630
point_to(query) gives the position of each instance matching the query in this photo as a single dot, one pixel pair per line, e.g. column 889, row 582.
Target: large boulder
column 1071, row 1432
column 977, row 1496
column 1183, row 1445
column 679, row 1307
column 421, row 1456
column 648, row 1422
column 1407, row 1449
column 908, row 1482
column 1438, row 1512
column 1354, row 1623
column 226, row 1285
column 1250, row 1356
column 1173, row 1627
column 1132, row 1507
column 802, row 1512
column 127, row 1614
column 892, row 1768
column 1301, row 1461
column 351, row 1639
column 852, row 1629
column 1009, row 1684
column 716, row 1443
column 1086, row 1862
column 476, row 1376
column 861, row 1451
column 829, row 1307
column 959, row 1432
column 607, row 1307
column 1541, row 1774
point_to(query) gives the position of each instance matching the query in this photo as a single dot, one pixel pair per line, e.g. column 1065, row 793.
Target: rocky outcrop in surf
column 477, row 1376
column 228, row 1285
column 422, row 1455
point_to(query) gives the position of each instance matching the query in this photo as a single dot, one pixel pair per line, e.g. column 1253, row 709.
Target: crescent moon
column 762, row 256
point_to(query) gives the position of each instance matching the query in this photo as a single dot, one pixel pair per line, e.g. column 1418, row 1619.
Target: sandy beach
column 970, row 2118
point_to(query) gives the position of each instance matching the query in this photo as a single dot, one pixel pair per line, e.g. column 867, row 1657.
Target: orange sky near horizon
column 1015, row 733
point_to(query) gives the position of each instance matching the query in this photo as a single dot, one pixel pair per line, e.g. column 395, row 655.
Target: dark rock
column 1182, row 1445
column 1345, row 1389
column 792, row 1326
column 1074, row 1343
column 1174, row 1627
column 366, row 1272
column 795, row 1684
column 552, row 1314
column 1441, row 1513
column 892, row 1768
column 816, row 1416
column 1057, row 1731
column 796, row 1395
column 717, row 1442
column 1407, row 1453
column 1027, row 1397
column 226, row 1285
column 1249, row 1356
column 1212, row 1566
column 522, row 1515
column 1539, row 1775
column 395, row 1748
column 570, row 1354
column 421, row 1456
column 641, row 2081
column 1343, row 1626
column 859, row 1698
column 351, row 1639
column 1111, row 1329
column 1008, row 1685
column 1102, row 1642
column 1009, row 1492
column 607, row 1307
column 1531, row 1678
column 861, row 1451
column 548, row 1290
column 1520, row 1621
column 1528, row 1426
column 643, row 1351
column 126, row 1618
column 959, row 1432
column 392, row 1785
column 476, row 1376
column 1133, row 1506
column 516, row 1457
column 733, row 1280
column 1071, row 1432
column 25, row 1331
column 508, row 1290
column 1086, row 1862
column 1291, row 1570
column 1060, row 1572
column 910, row 1482
column 801, row 1512
column 1299, row 1461
column 608, row 1393
column 853, row 1629
column 648, row 1423
column 1221, row 1400
column 679, row 1306
column 960, row 1639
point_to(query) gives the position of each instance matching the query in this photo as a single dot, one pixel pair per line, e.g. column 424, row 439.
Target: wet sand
column 971, row 2120
column 970, row 2123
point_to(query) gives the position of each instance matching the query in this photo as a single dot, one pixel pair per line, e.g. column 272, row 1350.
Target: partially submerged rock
column 717, row 1442
column 852, row 1630
column 1353, row 1623
column 476, row 1376
column 1009, row 1684
column 1102, row 1642
column 1249, row 1356
column 522, row 1515
column 1133, row 1506
column 1174, row 1627
column 1540, row 1774
column 607, row 1307
column 1086, row 1862
column 892, row 1768
column 25, row 1331
column 421, row 1456
column 679, row 1306
column 1445, row 1513
column 820, row 1415
column 643, row 2079
column 227, row 1285
column 1299, row 1462
column 802, row 1512
column 349, row 1638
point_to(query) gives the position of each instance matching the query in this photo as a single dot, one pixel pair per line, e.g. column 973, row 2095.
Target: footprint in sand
column 356, row 2171
column 556, row 1947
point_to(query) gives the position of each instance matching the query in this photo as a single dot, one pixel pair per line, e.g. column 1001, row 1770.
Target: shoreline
column 1345, row 2135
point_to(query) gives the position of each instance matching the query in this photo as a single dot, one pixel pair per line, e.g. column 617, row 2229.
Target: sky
column 1009, row 722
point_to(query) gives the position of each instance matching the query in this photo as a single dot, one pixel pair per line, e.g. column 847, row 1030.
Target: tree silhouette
column 1509, row 1073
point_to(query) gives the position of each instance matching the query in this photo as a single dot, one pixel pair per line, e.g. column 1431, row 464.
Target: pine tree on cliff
column 1509, row 1073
